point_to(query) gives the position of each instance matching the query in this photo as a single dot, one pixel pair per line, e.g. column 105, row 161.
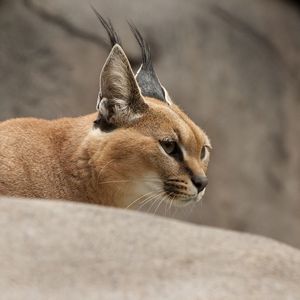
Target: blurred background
column 233, row 66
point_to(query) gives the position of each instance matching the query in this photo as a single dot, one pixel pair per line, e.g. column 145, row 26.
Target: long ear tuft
column 112, row 34
column 146, row 76
column 120, row 100
column 145, row 48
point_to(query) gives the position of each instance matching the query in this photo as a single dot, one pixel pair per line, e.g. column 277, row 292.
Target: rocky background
column 233, row 65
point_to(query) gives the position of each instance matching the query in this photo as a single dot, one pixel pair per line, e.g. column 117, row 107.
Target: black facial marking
column 174, row 190
column 176, row 180
column 102, row 124
column 176, row 186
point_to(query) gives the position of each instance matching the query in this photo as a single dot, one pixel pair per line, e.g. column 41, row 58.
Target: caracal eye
column 172, row 149
column 204, row 153
column 169, row 147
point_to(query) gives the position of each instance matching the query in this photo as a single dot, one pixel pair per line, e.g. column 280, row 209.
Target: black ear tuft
column 146, row 54
column 112, row 34
column 146, row 76
column 119, row 100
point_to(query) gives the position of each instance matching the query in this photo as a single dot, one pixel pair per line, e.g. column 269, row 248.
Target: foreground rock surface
column 60, row 250
column 233, row 66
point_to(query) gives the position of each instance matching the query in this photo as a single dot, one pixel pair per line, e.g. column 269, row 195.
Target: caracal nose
column 200, row 182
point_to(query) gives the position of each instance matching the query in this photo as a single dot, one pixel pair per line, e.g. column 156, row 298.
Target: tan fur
column 70, row 159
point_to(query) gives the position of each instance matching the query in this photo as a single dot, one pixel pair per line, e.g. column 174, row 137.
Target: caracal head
column 145, row 148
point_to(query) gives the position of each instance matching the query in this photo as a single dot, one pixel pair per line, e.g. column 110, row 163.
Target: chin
column 180, row 202
column 186, row 202
column 200, row 196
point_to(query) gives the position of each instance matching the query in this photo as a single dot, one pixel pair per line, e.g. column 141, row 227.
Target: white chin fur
column 146, row 187
column 200, row 195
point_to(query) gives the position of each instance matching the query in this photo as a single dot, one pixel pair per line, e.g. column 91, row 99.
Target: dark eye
column 172, row 149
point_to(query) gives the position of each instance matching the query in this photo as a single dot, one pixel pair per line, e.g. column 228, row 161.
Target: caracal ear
column 120, row 100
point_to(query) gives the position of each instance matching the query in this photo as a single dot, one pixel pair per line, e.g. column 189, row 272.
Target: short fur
column 116, row 160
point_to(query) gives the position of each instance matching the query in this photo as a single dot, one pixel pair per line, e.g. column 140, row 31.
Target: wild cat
column 138, row 147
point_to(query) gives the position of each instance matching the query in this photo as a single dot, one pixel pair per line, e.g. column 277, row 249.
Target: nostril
column 200, row 182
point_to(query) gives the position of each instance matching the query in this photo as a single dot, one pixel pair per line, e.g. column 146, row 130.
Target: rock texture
column 233, row 66
column 60, row 250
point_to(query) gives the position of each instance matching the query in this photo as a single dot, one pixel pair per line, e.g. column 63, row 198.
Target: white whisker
column 125, row 180
column 160, row 203
column 101, row 171
column 166, row 204
column 140, row 198
column 172, row 203
column 157, row 199
column 151, row 198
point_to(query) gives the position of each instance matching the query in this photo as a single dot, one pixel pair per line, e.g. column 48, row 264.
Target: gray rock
column 61, row 250
column 232, row 65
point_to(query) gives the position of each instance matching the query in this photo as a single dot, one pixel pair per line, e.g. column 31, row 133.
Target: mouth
column 181, row 202
column 178, row 193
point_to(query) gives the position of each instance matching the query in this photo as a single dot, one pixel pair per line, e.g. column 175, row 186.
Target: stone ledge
column 59, row 250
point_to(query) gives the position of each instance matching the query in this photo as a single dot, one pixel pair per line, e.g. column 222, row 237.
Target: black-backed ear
column 146, row 76
column 120, row 100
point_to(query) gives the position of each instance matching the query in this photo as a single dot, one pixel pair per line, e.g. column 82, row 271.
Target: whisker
column 172, row 202
column 160, row 204
column 146, row 200
column 150, row 199
column 125, row 180
column 139, row 198
column 166, row 204
column 102, row 169
column 154, row 200
column 114, row 181
column 157, row 199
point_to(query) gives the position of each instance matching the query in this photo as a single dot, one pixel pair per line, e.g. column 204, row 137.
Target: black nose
column 200, row 182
